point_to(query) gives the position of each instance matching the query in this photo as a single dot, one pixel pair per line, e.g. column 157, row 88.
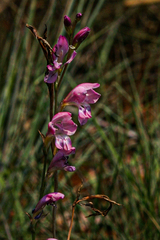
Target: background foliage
column 117, row 150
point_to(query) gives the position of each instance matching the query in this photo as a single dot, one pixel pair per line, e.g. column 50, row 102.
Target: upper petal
column 61, row 116
column 92, row 96
column 62, row 48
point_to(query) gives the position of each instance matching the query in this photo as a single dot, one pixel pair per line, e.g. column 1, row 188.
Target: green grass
column 117, row 150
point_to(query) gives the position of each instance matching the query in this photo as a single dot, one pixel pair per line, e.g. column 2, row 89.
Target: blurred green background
column 118, row 150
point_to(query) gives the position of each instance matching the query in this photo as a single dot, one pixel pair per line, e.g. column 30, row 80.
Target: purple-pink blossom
column 62, row 127
column 82, row 96
column 59, row 52
column 59, row 162
column 48, row 199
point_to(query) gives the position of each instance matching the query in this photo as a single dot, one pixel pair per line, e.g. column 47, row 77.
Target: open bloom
column 59, row 52
column 62, row 127
column 59, row 162
column 82, row 96
column 46, row 200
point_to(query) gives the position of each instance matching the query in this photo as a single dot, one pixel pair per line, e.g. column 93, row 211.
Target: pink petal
column 71, row 58
column 84, row 114
column 92, row 96
column 62, row 48
column 63, row 142
column 61, row 116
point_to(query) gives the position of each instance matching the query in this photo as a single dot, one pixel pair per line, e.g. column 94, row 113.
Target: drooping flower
column 48, row 199
column 82, row 96
column 61, row 127
column 80, row 37
column 59, row 162
column 59, row 52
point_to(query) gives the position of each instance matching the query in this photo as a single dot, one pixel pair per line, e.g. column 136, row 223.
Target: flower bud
column 68, row 24
column 80, row 36
column 78, row 17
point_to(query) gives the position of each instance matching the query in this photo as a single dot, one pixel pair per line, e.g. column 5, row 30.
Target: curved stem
column 70, row 228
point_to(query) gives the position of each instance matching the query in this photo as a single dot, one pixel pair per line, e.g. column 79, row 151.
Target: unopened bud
column 68, row 24
column 78, row 17
column 80, row 36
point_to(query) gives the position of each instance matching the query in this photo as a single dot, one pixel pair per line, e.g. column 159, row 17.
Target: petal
column 66, row 127
column 70, row 169
column 77, row 95
column 61, row 116
column 51, row 77
column 92, row 96
column 62, row 48
column 57, row 65
column 51, row 129
column 84, row 114
column 63, row 142
column 71, row 58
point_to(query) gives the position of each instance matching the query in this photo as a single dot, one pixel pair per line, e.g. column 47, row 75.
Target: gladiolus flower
column 48, row 199
column 82, row 96
column 62, row 127
column 59, row 52
column 59, row 162
column 80, row 36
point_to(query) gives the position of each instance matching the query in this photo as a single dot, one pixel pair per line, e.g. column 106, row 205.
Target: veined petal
column 67, row 127
column 62, row 48
column 84, row 114
column 63, row 142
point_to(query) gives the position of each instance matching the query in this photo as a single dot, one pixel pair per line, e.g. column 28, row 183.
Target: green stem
column 33, row 230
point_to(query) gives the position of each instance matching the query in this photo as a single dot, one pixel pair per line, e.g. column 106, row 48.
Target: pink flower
column 82, row 96
column 59, row 52
column 59, row 162
column 51, row 239
column 47, row 199
column 62, row 127
column 80, row 36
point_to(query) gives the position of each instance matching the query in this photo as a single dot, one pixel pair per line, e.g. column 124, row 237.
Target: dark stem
column 33, row 230
column 56, row 172
column 50, row 88
column 43, row 174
